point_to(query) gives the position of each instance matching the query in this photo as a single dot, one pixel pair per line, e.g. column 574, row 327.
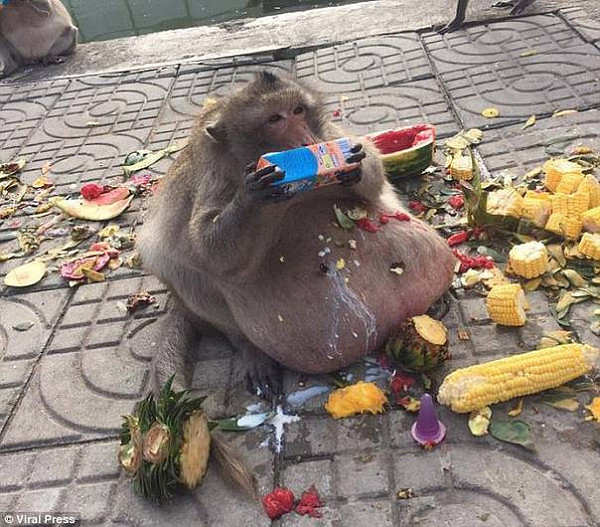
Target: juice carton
column 311, row 166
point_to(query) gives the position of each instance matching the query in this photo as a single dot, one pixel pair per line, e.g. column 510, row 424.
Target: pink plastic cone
column 428, row 428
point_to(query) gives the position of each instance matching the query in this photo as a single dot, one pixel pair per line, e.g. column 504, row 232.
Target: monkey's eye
column 275, row 118
column 298, row 110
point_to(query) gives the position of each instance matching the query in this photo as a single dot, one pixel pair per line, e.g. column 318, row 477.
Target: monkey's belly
column 320, row 305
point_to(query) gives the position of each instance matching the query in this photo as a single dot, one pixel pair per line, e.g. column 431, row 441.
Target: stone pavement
column 65, row 382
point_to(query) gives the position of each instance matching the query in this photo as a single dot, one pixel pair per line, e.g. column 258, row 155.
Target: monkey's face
column 271, row 114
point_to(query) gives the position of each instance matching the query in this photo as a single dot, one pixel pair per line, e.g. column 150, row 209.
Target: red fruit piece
column 309, row 503
column 91, row 191
column 459, row 237
column 401, row 383
column 367, row 224
column 111, row 196
column 278, row 502
column 400, row 216
column 456, row 202
column 416, row 206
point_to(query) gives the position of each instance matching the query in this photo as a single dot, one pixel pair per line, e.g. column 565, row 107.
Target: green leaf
column 344, row 221
column 151, row 158
column 513, row 431
column 245, row 422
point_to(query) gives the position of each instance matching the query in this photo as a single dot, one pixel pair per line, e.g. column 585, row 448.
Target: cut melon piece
column 110, row 197
column 84, row 210
column 406, row 151
column 25, row 275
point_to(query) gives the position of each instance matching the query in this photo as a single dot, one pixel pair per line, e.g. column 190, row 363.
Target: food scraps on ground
column 358, row 398
column 420, row 344
column 468, row 389
column 506, row 305
column 165, row 442
column 278, row 502
column 479, row 421
column 139, row 300
column 26, row 275
column 309, row 503
column 84, row 210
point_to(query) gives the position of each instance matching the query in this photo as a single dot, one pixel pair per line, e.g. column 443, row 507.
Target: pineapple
column 421, row 344
column 166, row 442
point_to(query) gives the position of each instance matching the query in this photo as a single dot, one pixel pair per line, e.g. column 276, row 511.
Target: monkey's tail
column 232, row 467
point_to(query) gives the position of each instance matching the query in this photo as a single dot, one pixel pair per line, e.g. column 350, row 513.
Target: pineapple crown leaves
column 156, row 481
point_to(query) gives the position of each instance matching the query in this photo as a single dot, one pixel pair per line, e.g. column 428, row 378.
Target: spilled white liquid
column 299, row 397
column 278, row 421
column 345, row 299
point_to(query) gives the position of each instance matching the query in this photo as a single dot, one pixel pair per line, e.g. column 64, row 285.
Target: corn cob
column 505, row 202
column 506, row 305
column 536, row 210
column 461, row 167
column 590, row 245
column 591, row 220
column 529, row 259
column 571, row 205
column 568, row 227
column 569, row 182
column 472, row 388
column 532, row 194
column 591, row 186
column 555, row 169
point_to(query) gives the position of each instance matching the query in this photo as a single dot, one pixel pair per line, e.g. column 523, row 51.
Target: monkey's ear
column 216, row 131
column 268, row 78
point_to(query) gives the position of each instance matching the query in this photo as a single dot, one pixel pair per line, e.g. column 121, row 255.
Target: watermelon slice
column 406, row 151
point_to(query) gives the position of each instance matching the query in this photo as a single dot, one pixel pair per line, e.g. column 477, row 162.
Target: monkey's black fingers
column 266, row 181
column 356, row 148
column 356, row 158
column 350, row 178
column 249, row 168
column 277, row 195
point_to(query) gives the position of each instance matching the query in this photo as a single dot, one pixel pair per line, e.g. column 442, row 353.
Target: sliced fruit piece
column 84, row 210
column 406, row 151
column 25, row 275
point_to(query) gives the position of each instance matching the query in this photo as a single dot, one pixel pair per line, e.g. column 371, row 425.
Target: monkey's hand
column 258, row 184
column 353, row 176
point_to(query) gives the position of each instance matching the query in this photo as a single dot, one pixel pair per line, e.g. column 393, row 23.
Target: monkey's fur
column 34, row 31
column 240, row 257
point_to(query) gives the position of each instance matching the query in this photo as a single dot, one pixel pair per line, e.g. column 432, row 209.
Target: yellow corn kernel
column 555, row 169
column 529, row 259
column 505, row 202
column 506, row 305
column 589, row 245
column 570, row 182
column 591, row 186
column 532, row 194
column 591, row 220
column 572, row 205
column 565, row 226
column 461, row 167
column 472, row 388
column 536, row 210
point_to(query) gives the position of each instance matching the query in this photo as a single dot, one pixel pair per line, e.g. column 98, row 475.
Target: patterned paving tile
column 538, row 84
column 74, row 393
column 26, row 91
column 380, row 109
column 195, row 82
column 35, row 314
column 364, row 64
column 484, row 45
column 585, row 25
column 517, row 151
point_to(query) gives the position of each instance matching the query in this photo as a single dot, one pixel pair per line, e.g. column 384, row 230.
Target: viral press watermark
column 33, row 519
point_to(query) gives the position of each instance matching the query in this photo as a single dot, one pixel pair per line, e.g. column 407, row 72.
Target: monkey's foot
column 520, row 7
column 441, row 307
column 503, row 4
column 450, row 26
column 263, row 378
